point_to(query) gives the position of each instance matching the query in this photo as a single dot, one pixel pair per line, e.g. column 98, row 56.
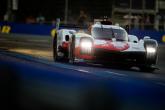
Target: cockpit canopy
column 108, row 33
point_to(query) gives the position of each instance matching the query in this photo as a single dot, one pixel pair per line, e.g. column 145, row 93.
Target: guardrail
column 47, row 30
column 159, row 36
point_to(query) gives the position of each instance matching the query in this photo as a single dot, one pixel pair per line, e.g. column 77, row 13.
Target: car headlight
column 86, row 46
column 151, row 50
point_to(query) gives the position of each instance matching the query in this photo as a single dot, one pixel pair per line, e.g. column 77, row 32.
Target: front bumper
column 106, row 56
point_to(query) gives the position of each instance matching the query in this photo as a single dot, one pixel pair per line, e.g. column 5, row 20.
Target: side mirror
column 66, row 37
column 127, row 28
column 133, row 38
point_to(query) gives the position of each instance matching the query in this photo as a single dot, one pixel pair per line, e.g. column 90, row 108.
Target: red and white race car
column 105, row 44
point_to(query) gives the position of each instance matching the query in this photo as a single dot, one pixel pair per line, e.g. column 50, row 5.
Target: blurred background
column 30, row 79
column 139, row 14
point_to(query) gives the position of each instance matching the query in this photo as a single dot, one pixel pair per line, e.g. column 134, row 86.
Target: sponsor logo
column 53, row 32
column 5, row 29
column 163, row 39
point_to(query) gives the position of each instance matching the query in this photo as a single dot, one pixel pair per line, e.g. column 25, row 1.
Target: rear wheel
column 55, row 55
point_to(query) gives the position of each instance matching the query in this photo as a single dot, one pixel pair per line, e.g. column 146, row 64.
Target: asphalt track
column 39, row 49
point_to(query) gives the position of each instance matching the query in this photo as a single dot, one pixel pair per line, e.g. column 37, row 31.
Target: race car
column 105, row 44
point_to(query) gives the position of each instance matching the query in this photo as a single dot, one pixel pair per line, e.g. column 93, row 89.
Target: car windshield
column 109, row 33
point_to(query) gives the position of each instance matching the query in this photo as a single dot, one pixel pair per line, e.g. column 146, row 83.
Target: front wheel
column 151, row 47
column 72, row 50
column 71, row 54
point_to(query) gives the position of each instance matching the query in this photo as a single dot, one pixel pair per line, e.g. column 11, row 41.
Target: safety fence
column 48, row 30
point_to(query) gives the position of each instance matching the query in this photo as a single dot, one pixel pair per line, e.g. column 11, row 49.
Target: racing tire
column 55, row 55
column 147, row 68
column 151, row 58
column 72, row 51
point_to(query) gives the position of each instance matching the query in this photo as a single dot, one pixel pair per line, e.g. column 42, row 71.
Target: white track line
column 82, row 70
column 119, row 74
